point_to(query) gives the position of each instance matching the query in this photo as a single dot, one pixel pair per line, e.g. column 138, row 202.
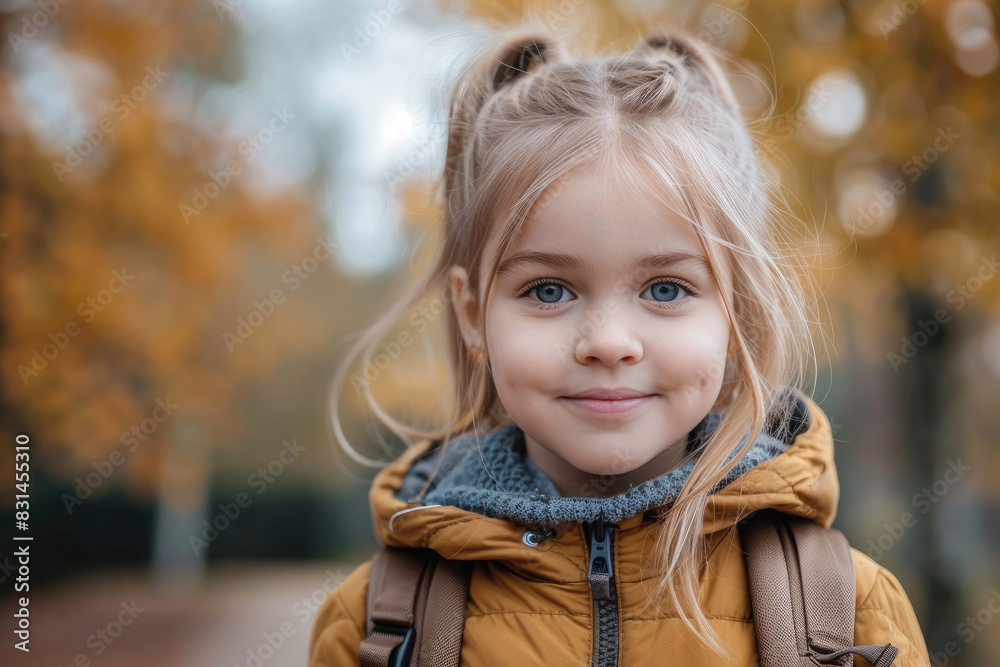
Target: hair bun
column 663, row 41
column 517, row 59
column 697, row 58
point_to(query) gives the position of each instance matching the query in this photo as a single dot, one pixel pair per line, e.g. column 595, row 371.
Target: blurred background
column 203, row 203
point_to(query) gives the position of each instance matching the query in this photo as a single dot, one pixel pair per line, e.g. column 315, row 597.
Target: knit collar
column 496, row 479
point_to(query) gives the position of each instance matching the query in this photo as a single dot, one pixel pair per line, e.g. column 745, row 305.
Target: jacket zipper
column 601, row 575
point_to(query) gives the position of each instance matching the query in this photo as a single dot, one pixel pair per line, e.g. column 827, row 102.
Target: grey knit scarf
column 496, row 479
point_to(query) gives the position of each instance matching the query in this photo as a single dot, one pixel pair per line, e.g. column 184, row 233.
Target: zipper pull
column 600, row 572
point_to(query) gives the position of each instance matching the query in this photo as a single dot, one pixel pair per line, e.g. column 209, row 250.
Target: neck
column 573, row 482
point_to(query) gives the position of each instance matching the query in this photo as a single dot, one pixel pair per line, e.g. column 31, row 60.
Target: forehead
column 597, row 201
column 604, row 221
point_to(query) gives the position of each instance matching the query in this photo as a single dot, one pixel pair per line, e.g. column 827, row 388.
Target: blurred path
column 241, row 614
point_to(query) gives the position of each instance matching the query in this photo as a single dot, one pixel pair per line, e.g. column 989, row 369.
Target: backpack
column 802, row 593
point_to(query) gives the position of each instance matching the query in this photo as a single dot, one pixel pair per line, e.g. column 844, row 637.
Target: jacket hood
column 483, row 491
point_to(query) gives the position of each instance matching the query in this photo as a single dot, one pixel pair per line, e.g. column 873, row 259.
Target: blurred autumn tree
column 116, row 298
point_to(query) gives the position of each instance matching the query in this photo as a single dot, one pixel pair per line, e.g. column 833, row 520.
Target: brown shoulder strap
column 416, row 609
column 802, row 593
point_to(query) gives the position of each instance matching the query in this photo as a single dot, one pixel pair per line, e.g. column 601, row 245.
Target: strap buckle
column 401, row 655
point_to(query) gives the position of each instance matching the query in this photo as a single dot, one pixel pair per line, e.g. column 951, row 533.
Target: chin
column 617, row 464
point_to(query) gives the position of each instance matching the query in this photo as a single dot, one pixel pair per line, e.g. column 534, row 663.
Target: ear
column 464, row 302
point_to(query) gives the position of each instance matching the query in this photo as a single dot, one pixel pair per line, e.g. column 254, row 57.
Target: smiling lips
column 609, row 401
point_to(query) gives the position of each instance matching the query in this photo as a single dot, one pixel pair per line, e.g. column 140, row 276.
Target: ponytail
column 514, row 56
column 697, row 59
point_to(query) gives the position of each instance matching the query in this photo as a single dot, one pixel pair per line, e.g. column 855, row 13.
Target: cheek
column 523, row 353
column 695, row 356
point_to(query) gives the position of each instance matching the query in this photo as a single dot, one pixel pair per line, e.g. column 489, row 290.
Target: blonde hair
column 664, row 119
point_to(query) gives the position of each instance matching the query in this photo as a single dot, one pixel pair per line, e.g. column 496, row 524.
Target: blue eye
column 665, row 291
column 549, row 292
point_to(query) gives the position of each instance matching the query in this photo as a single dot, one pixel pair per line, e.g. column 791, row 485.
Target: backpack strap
column 802, row 593
column 416, row 609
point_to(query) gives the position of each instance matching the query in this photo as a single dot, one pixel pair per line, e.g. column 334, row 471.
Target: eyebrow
column 571, row 263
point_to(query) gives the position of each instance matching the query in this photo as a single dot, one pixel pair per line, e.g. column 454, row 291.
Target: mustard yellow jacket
column 532, row 605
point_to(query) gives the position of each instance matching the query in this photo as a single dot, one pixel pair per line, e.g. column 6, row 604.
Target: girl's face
column 607, row 336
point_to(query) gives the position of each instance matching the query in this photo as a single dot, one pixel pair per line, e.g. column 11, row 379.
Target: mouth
column 610, row 393
column 609, row 401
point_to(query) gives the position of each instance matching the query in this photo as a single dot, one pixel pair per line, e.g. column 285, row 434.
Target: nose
column 608, row 339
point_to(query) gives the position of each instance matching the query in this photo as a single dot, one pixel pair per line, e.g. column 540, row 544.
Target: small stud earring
column 475, row 354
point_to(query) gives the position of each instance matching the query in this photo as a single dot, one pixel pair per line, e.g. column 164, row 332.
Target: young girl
column 628, row 334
